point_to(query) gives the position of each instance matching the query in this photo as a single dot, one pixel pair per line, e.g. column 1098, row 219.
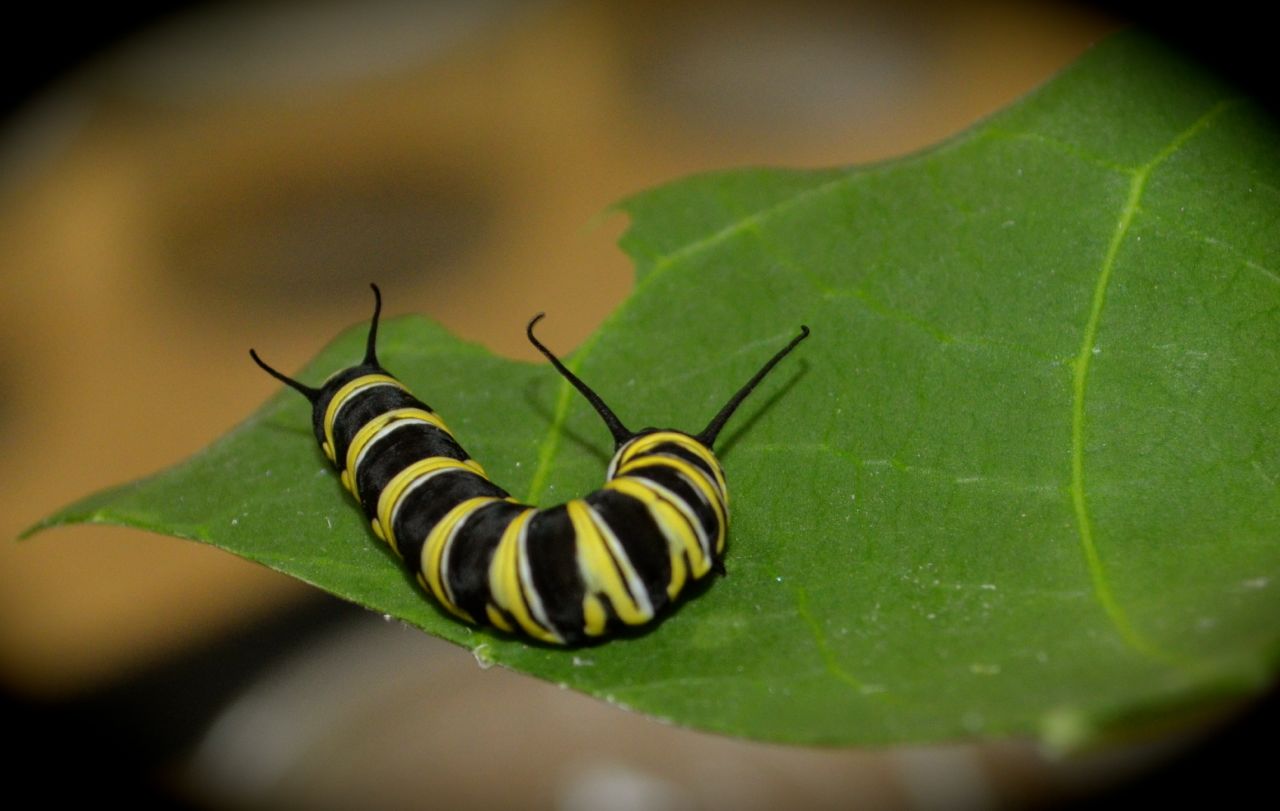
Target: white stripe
column 337, row 411
column 685, row 510
column 382, row 432
column 639, row 594
column 710, row 479
column 532, row 598
column 413, row 485
column 444, row 554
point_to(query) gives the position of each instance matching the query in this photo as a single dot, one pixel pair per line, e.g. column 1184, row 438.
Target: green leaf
column 1021, row 480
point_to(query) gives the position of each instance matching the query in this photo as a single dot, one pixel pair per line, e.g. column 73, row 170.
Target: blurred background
column 177, row 184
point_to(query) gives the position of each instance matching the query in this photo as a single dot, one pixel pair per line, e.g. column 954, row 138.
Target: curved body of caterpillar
column 563, row 575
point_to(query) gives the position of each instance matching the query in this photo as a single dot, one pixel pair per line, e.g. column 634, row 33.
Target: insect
column 562, row 575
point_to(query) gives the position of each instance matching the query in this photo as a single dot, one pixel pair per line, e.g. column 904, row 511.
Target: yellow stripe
column 594, row 617
column 532, row 596
column 647, row 442
column 682, row 542
column 695, row 477
column 340, row 398
column 702, row 562
column 431, row 562
column 497, row 619
column 402, row 482
column 453, row 609
column 605, row 569
column 373, row 426
column 508, row 587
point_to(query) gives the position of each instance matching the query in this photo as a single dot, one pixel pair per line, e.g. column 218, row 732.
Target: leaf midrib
column 1101, row 582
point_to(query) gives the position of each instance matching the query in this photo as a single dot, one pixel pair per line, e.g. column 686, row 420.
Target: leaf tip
column 39, row 526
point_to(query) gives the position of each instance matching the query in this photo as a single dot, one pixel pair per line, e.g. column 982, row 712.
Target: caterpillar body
column 563, row 575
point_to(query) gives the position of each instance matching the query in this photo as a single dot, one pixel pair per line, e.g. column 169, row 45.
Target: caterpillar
column 564, row 575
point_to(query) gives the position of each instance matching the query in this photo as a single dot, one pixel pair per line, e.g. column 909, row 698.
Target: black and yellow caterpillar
column 562, row 575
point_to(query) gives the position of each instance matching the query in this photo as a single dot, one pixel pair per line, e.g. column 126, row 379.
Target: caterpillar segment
column 563, row 575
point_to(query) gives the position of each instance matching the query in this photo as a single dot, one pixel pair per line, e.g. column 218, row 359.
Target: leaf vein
column 1062, row 147
column 744, row 224
column 1097, row 571
column 833, row 668
column 550, row 445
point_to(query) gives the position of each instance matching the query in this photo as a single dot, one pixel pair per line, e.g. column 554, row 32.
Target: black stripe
column 642, row 540
column 472, row 552
column 553, row 563
column 673, row 480
column 424, row 507
column 364, row 406
column 331, row 388
column 395, row 452
column 682, row 452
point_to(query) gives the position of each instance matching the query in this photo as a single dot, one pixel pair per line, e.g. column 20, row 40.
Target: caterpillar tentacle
column 561, row 575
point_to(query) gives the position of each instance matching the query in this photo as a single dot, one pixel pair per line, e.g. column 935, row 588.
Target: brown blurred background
column 235, row 174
